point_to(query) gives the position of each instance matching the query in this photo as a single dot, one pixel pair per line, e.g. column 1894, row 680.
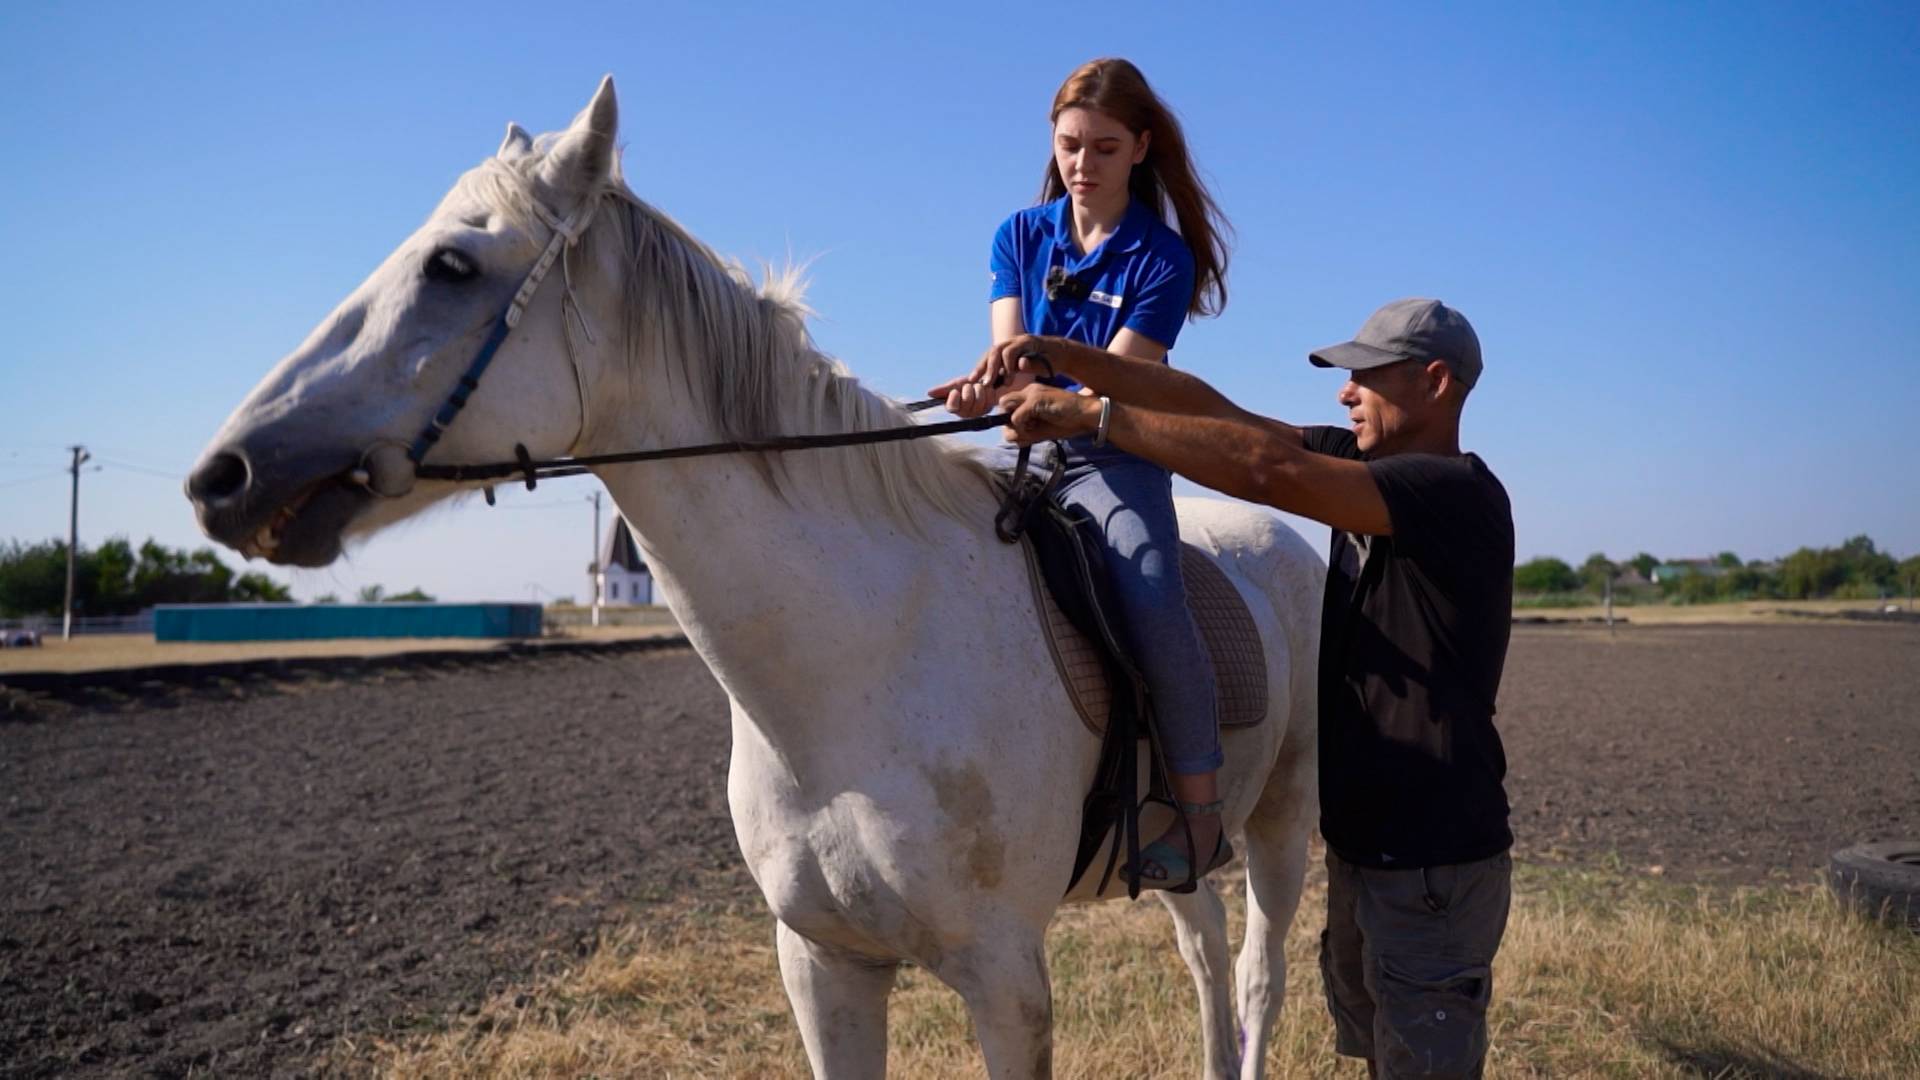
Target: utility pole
column 594, row 569
column 80, row 457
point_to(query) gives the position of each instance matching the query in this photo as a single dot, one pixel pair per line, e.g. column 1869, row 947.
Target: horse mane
column 744, row 356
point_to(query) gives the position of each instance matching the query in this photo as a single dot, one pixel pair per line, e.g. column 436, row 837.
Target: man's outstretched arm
column 1123, row 378
column 1225, row 448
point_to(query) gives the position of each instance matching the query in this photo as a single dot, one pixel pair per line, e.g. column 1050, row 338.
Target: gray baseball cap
column 1409, row 330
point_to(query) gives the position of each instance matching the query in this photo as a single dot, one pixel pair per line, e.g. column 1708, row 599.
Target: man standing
column 1414, row 630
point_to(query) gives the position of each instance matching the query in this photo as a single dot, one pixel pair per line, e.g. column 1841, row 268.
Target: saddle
column 1066, row 568
column 1226, row 628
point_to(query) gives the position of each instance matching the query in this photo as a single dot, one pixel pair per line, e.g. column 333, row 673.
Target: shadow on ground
column 1723, row 1062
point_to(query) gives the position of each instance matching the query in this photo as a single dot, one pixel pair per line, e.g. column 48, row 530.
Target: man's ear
column 1439, row 378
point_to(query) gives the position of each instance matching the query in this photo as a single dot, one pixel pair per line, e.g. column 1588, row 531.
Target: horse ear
column 517, row 143
column 583, row 156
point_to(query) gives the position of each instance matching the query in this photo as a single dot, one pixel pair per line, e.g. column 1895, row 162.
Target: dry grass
column 1600, row 975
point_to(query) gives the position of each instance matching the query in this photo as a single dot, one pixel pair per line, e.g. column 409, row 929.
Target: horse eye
column 450, row 266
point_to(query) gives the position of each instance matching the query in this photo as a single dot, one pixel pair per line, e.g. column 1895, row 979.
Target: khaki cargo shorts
column 1407, row 958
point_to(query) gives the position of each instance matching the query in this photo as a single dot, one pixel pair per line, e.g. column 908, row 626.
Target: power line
column 31, row 479
column 163, row 474
column 567, row 504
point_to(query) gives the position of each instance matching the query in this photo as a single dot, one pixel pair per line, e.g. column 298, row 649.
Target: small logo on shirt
column 1107, row 299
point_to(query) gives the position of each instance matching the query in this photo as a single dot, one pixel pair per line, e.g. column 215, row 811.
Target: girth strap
column 1024, row 494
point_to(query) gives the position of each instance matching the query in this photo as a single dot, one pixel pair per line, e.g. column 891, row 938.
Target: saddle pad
column 1226, row 628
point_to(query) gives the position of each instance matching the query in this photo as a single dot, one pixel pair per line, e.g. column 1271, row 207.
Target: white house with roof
column 624, row 577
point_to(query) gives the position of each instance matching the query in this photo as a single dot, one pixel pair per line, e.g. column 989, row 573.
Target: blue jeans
column 1131, row 499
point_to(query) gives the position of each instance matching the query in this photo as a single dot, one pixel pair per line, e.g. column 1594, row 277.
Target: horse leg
column 1003, row 980
column 840, row 1003
column 1200, row 925
column 1276, row 868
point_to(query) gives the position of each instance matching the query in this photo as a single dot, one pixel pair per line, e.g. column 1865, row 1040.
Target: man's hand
column 976, row 392
column 1006, row 366
column 1038, row 357
column 1039, row 413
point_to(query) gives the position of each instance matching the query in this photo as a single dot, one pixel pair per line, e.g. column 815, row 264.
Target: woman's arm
column 1007, row 320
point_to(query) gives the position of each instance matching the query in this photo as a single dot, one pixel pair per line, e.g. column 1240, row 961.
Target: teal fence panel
column 295, row 622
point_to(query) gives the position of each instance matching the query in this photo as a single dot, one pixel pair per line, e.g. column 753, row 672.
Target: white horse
column 907, row 768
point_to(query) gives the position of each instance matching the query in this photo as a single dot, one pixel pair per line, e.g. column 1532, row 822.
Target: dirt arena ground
column 229, row 874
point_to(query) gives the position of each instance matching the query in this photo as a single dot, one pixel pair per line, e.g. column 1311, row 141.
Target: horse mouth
column 306, row 530
column 264, row 542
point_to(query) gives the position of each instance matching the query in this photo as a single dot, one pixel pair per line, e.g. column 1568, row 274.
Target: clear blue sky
column 1689, row 235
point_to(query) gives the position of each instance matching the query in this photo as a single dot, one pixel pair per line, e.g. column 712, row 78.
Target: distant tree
column 1691, row 589
column 115, row 579
column 1810, row 572
column 260, row 588
column 1869, row 571
column 1597, row 571
column 1643, row 565
column 372, row 594
column 327, row 598
column 1545, row 575
column 33, row 578
column 1749, row 582
column 1727, row 560
column 1909, row 576
column 1855, row 568
column 413, row 595
column 113, row 564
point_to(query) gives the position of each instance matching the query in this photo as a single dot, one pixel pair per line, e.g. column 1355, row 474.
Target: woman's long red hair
column 1164, row 179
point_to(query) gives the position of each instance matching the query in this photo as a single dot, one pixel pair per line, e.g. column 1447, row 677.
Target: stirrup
column 1181, row 877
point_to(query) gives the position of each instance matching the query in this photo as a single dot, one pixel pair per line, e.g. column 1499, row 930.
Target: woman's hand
column 970, row 396
column 1039, row 413
column 998, row 373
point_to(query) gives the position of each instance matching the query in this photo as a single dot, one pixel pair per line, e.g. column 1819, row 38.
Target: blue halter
column 565, row 234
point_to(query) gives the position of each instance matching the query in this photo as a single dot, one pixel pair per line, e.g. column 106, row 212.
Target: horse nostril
column 219, row 478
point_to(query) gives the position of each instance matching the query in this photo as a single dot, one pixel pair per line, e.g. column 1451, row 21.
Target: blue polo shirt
column 1140, row 279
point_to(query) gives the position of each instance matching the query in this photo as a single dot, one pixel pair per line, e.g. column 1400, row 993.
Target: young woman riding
column 1097, row 261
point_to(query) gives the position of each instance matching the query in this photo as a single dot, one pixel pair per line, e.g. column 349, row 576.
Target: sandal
column 1179, row 874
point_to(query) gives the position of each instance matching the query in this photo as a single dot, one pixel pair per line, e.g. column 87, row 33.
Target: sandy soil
column 1742, row 613
column 228, row 874
column 105, row 652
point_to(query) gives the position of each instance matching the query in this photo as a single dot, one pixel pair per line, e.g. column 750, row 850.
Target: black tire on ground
column 1880, row 881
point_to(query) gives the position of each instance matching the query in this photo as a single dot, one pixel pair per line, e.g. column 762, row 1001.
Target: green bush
column 1545, row 575
column 114, row 579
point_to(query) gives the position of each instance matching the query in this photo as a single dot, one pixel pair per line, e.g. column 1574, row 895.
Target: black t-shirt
column 1414, row 631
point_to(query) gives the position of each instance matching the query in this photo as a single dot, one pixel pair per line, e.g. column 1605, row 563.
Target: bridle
column 566, row 233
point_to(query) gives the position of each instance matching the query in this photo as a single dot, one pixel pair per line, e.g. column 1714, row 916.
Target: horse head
column 324, row 448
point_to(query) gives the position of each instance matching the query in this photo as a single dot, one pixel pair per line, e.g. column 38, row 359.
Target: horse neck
column 799, row 612
column 787, row 597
